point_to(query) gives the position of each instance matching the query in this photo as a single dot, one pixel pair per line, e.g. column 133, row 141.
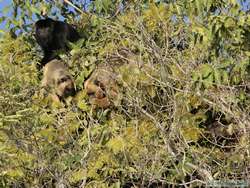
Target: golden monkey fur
column 102, row 86
column 57, row 78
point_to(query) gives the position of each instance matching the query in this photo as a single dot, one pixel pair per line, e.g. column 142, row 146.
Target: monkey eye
column 63, row 79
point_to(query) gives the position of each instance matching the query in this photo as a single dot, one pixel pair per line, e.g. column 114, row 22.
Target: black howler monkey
column 53, row 35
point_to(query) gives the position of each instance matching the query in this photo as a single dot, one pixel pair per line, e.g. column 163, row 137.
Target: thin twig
column 77, row 8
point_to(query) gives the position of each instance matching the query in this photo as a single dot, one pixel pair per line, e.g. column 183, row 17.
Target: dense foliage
column 181, row 116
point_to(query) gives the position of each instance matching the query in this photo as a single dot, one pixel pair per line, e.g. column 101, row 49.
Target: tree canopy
column 182, row 114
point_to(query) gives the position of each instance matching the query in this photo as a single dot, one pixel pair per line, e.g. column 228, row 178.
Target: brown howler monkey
column 102, row 87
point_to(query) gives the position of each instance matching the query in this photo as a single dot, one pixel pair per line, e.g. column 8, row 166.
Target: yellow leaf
column 47, row 119
column 14, row 173
column 49, row 134
column 116, row 145
column 191, row 133
column 78, row 176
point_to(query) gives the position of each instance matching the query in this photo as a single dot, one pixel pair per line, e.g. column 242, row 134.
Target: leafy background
column 182, row 114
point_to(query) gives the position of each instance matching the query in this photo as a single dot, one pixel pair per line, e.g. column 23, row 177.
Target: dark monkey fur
column 53, row 35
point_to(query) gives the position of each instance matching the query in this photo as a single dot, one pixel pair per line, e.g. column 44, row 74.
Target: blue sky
column 4, row 3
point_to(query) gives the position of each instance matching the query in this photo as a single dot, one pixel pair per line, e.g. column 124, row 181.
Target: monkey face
column 44, row 32
column 58, row 80
column 44, row 37
column 65, row 86
column 102, row 87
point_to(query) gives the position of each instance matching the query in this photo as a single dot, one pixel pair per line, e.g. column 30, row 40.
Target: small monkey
column 57, row 78
column 102, row 87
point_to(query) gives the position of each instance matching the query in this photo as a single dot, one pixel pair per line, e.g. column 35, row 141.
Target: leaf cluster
column 181, row 116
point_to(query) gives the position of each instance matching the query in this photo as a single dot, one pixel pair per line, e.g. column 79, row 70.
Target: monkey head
column 53, row 35
column 64, row 85
column 44, row 33
column 58, row 79
column 102, row 87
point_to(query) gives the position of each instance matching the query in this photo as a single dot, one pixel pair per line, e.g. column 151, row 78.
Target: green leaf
column 47, row 119
column 225, row 77
column 229, row 22
column 78, row 175
column 49, row 134
column 13, row 173
column 208, row 82
column 217, row 76
column 205, row 70
column 195, row 76
column 82, row 105
column 116, row 145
